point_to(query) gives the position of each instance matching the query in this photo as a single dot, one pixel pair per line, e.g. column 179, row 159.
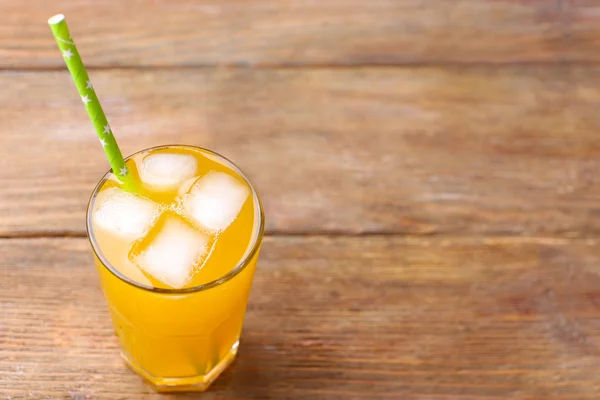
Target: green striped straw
column 90, row 100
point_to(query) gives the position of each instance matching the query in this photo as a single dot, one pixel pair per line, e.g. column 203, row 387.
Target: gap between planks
column 246, row 66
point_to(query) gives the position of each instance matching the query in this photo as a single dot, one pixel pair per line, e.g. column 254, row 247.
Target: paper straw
column 90, row 100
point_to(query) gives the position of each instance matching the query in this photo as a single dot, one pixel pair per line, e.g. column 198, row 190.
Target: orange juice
column 176, row 261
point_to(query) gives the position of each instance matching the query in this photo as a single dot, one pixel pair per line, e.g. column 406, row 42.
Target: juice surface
column 228, row 247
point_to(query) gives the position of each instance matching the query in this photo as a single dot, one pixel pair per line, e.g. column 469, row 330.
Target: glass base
column 198, row 383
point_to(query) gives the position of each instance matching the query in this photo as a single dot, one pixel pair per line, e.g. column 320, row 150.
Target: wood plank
column 420, row 151
column 582, row 18
column 300, row 32
column 358, row 318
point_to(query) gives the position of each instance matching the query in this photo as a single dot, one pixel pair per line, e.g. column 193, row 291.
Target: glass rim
column 239, row 267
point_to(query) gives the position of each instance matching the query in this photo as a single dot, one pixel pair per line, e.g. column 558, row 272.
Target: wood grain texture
column 354, row 318
column 374, row 150
column 300, row 32
column 582, row 17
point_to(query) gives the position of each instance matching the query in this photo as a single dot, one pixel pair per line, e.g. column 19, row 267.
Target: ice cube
column 165, row 171
column 215, row 200
column 173, row 252
column 124, row 213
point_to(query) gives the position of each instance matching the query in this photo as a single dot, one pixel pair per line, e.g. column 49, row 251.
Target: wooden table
column 430, row 173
